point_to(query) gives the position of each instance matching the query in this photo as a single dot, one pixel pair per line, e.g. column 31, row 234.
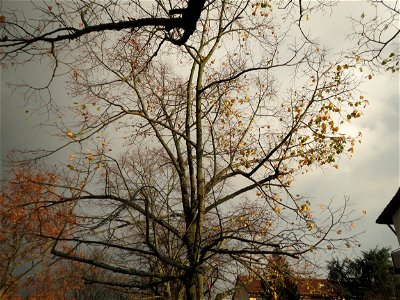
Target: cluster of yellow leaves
column 262, row 8
column 247, row 152
column 392, row 59
column 89, row 156
column 324, row 142
column 310, row 225
column 305, row 210
column 231, row 126
column 228, row 109
column 92, row 157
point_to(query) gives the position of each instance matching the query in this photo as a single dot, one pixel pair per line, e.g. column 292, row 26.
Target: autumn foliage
column 180, row 160
column 29, row 221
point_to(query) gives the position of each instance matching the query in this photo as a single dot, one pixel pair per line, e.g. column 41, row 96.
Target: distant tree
column 94, row 291
column 369, row 277
column 279, row 281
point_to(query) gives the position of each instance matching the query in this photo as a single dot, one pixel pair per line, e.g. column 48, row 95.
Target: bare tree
column 214, row 132
column 377, row 36
column 84, row 17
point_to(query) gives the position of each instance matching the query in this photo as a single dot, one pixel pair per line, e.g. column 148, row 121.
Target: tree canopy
column 186, row 123
column 26, row 222
column 279, row 281
column 370, row 276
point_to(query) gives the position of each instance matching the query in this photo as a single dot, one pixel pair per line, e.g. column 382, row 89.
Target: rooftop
column 310, row 287
column 386, row 216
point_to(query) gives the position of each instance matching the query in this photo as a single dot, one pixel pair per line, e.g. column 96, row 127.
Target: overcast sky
column 370, row 179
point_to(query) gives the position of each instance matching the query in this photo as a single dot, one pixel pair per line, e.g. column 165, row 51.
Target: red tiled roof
column 310, row 287
column 314, row 287
column 252, row 285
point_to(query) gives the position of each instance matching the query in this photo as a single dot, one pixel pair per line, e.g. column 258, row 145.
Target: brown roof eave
column 386, row 216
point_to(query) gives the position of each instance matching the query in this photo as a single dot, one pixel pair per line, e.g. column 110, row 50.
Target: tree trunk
column 194, row 279
column 194, row 287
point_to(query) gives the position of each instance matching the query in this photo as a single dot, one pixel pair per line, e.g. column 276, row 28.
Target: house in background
column 248, row 288
column 315, row 288
column 309, row 289
column 391, row 216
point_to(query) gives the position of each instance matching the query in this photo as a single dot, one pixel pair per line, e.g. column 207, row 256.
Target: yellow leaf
column 277, row 209
column 71, row 167
column 304, row 208
column 310, row 225
column 215, row 228
column 71, row 134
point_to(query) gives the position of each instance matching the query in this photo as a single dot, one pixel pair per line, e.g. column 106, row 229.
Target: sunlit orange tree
column 180, row 158
column 28, row 219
